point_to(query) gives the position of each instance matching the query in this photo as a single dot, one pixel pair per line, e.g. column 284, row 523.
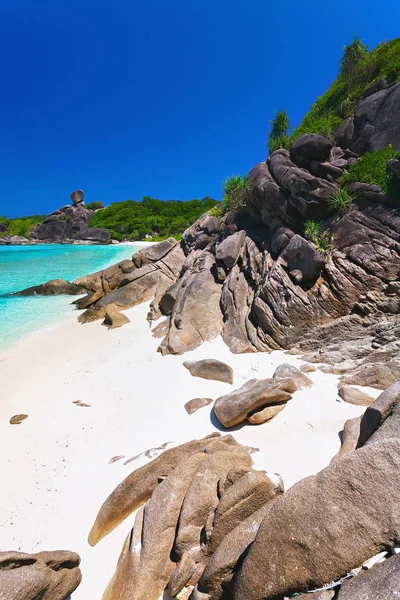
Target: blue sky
column 125, row 99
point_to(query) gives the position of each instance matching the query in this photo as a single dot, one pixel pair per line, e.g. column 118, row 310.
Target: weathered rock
column 310, row 147
column 146, row 561
column 307, row 368
column 382, row 582
column 196, row 403
column 354, row 396
column 196, row 316
column 351, row 436
column 304, row 541
column 77, row 197
column 55, row 287
column 217, row 576
column 256, row 393
column 381, row 418
column 114, row 318
column 304, row 262
column 210, row 368
column 139, row 485
column 46, row 575
column 266, row 414
column 375, row 124
column 17, row 419
column 373, row 375
column 229, row 249
column 286, row 371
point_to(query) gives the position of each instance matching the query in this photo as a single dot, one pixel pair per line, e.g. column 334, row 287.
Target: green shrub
column 94, row 205
column 235, row 191
column 341, row 200
column 372, row 168
column 314, row 231
column 217, row 211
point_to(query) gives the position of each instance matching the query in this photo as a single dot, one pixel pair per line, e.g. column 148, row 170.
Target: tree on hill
column 353, row 54
column 280, row 126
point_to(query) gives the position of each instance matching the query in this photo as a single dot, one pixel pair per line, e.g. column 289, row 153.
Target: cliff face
column 70, row 224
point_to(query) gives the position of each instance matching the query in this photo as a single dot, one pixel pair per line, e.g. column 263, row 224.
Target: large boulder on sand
column 233, row 408
column 326, row 525
column 210, row 368
column 45, row 576
column 114, row 317
column 138, row 487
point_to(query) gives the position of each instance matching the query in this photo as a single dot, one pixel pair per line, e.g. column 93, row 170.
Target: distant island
column 150, row 219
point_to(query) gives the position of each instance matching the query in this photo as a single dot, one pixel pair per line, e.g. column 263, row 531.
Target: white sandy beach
column 54, row 467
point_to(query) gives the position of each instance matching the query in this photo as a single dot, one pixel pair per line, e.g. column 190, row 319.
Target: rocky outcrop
column 253, row 396
column 260, row 278
column 304, row 540
column 138, row 487
column 46, row 575
column 209, row 368
column 375, row 124
column 55, row 287
column 70, row 224
column 114, row 318
column 210, row 492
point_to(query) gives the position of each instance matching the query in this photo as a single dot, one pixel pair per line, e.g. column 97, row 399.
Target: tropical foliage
column 358, row 70
column 21, row 226
column 279, row 134
column 94, row 205
column 341, row 200
column 235, row 191
column 314, row 231
column 372, row 168
column 150, row 217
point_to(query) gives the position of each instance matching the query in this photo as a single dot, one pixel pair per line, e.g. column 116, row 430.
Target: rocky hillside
column 305, row 264
column 70, row 224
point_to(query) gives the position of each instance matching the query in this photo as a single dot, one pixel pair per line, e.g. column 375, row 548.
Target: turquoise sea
column 24, row 266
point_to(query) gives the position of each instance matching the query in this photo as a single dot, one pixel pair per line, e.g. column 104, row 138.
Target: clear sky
column 163, row 98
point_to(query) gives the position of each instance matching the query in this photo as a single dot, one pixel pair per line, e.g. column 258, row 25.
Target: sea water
column 24, row 266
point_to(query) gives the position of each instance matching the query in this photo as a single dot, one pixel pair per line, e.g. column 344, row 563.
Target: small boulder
column 210, row 368
column 193, row 405
column 55, row 287
column 307, row 368
column 310, row 147
column 287, row 371
column 114, row 318
column 17, row 419
column 233, row 408
column 354, row 396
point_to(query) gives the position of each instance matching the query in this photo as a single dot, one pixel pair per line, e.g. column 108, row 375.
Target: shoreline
column 58, row 472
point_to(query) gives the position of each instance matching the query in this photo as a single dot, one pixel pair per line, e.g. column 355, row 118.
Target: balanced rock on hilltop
column 70, row 224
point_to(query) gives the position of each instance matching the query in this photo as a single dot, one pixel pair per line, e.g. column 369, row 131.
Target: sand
column 55, row 467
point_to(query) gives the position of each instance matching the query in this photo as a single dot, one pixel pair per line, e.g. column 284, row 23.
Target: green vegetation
column 279, row 134
column 341, row 200
column 235, row 190
column 359, row 69
column 314, row 231
column 372, row 168
column 21, row 226
column 150, row 217
column 94, row 205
